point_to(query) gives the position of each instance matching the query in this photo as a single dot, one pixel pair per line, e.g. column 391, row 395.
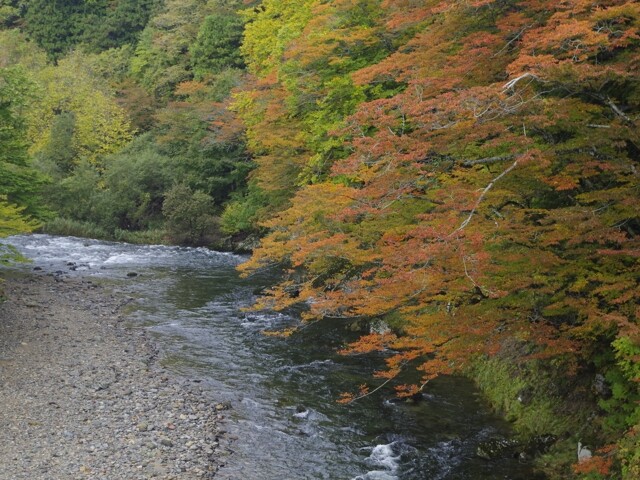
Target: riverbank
column 84, row 396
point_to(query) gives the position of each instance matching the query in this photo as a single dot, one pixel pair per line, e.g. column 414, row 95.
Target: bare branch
column 372, row 391
column 617, row 110
column 483, row 291
column 482, row 195
column 515, row 38
column 512, row 83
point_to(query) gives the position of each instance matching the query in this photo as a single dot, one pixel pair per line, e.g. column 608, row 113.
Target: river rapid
column 284, row 420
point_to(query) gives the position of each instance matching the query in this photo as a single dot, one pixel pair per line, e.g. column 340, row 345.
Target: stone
column 166, row 442
column 142, row 427
column 496, row 448
column 600, row 386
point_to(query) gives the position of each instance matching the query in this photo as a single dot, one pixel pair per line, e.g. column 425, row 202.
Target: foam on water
column 376, row 475
column 315, row 365
column 382, row 456
column 446, row 455
column 52, row 253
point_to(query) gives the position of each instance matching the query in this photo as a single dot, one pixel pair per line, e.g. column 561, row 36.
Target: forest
column 464, row 172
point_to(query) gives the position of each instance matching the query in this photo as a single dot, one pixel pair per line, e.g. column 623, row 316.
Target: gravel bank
column 84, row 397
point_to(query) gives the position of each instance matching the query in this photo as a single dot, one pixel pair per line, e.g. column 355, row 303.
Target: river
column 284, row 420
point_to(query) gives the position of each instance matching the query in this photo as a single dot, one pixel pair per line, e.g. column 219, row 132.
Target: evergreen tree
column 121, row 26
column 217, row 45
column 58, row 25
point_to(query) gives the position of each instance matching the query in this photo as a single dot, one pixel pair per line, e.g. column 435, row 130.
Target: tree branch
column 516, row 37
column 372, row 391
column 617, row 110
column 512, row 83
column 481, row 197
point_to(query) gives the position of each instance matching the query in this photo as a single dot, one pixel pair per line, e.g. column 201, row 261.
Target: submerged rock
column 496, row 448
column 301, row 412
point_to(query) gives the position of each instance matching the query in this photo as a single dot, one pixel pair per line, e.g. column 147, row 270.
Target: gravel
column 82, row 396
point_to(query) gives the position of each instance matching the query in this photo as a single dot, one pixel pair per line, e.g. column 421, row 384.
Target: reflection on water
column 283, row 390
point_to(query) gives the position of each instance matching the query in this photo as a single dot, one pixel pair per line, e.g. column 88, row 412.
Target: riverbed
column 284, row 422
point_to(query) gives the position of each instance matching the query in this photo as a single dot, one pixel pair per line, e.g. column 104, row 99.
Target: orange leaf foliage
column 487, row 183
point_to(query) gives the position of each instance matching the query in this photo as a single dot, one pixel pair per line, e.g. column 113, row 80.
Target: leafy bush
column 243, row 211
column 188, row 214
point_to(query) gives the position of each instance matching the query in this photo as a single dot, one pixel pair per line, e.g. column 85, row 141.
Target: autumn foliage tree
column 300, row 55
column 489, row 191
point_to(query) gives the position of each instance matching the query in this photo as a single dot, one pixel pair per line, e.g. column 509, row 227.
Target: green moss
column 539, row 398
column 520, row 396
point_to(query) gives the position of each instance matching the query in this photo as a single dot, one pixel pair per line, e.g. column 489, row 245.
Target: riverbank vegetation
column 466, row 172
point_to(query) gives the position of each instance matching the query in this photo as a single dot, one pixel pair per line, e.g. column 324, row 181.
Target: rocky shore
column 84, row 397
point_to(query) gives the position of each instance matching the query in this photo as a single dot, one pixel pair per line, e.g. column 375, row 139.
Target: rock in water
column 498, row 448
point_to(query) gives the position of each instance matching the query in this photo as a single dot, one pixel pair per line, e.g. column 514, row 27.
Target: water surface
column 283, row 390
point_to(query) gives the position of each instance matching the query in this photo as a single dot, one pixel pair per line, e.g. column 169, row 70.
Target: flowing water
column 285, row 419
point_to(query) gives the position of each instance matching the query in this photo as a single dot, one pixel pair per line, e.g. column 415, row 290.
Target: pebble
column 85, row 397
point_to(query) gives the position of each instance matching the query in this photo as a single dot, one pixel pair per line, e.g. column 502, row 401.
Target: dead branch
column 515, row 38
column 482, row 195
column 617, row 110
column 512, row 83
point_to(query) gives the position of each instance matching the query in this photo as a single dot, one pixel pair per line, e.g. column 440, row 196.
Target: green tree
column 188, row 214
column 72, row 87
column 9, row 12
column 135, row 183
column 121, row 25
column 161, row 60
column 17, row 49
column 60, row 150
column 217, row 45
column 19, row 183
column 76, row 195
column 59, row 25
